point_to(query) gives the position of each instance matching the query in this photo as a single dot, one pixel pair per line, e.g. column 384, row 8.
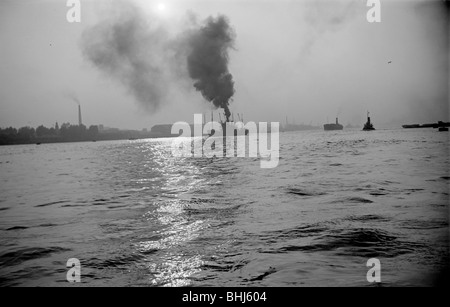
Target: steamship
column 237, row 127
column 335, row 126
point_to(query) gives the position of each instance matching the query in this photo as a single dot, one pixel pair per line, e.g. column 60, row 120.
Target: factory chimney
column 80, row 122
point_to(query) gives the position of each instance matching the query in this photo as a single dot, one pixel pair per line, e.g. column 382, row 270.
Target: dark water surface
column 137, row 216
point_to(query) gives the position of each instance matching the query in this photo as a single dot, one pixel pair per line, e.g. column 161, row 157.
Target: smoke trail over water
column 128, row 48
column 208, row 62
column 140, row 53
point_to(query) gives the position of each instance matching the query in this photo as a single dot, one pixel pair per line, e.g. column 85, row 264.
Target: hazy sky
column 308, row 60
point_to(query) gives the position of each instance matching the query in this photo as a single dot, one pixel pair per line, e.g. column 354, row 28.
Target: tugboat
column 368, row 125
column 336, row 126
column 237, row 128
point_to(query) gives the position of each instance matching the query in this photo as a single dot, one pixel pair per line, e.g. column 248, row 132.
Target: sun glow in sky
column 161, row 7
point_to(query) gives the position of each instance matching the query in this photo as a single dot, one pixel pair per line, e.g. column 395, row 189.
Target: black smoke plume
column 136, row 50
column 127, row 47
column 208, row 62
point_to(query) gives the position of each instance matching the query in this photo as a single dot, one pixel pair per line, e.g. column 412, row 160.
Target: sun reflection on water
column 171, row 258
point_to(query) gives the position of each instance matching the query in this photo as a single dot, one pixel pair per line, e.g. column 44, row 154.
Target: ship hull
column 330, row 127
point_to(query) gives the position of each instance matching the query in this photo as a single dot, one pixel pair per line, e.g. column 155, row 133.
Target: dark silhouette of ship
column 440, row 125
column 368, row 126
column 335, row 126
column 236, row 127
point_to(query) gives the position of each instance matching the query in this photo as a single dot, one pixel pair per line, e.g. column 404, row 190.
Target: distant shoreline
column 39, row 141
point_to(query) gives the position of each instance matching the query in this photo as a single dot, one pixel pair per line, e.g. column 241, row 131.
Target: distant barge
column 439, row 124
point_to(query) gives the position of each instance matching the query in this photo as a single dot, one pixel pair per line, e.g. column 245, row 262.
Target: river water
column 134, row 215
